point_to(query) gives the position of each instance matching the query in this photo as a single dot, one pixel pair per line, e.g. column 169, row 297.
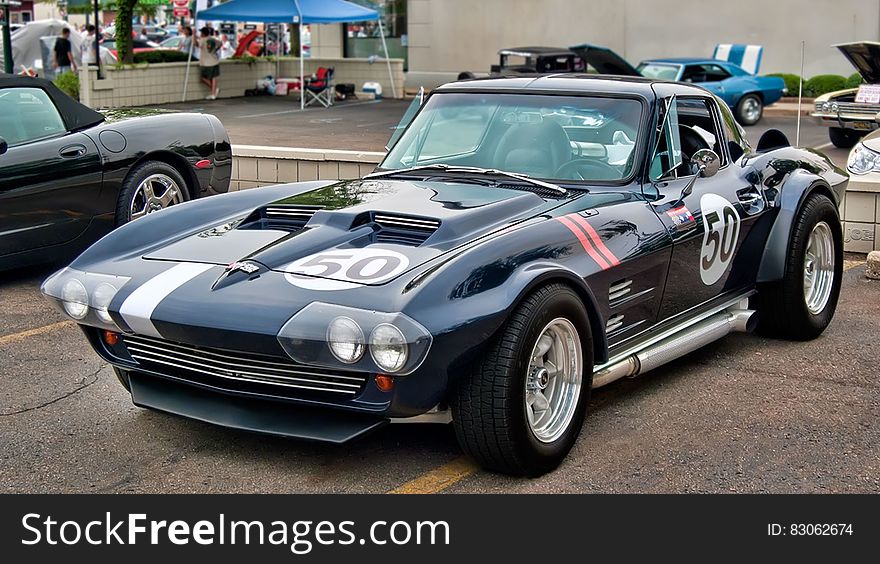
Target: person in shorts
column 209, row 60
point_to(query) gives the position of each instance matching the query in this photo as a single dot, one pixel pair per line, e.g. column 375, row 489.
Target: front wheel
column 521, row 408
column 843, row 138
column 749, row 109
column 801, row 305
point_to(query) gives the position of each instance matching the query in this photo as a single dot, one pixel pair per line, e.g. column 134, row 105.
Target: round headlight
column 101, row 298
column 388, row 347
column 862, row 160
column 75, row 299
column 346, row 340
column 826, row 106
column 834, row 107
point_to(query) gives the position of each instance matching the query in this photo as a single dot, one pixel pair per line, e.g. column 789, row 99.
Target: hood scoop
column 404, row 230
column 280, row 217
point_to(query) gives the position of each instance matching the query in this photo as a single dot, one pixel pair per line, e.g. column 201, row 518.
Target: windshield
column 659, row 71
column 580, row 138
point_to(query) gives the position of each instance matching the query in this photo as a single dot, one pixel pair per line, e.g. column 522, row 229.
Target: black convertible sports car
column 69, row 174
column 524, row 240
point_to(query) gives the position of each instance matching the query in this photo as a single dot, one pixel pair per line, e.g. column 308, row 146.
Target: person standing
column 209, row 61
column 87, row 49
column 62, row 53
column 226, row 49
column 187, row 43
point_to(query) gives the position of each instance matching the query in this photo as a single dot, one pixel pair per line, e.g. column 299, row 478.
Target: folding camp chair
column 320, row 88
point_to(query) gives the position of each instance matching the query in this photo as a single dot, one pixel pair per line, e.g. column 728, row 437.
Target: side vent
column 615, row 322
column 281, row 217
column 402, row 230
column 619, row 290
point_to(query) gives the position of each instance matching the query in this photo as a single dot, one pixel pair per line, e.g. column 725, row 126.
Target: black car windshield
column 574, row 138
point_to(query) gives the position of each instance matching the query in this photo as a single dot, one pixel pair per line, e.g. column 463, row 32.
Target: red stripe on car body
column 585, row 242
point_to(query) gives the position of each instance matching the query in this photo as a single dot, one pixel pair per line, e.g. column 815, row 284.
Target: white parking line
column 824, row 146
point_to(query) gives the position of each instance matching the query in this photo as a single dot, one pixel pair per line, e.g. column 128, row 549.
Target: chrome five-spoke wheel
column 751, row 110
column 154, row 193
column 819, row 268
column 554, row 380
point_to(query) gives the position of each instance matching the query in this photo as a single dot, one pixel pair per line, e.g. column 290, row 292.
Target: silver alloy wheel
column 554, row 379
column 156, row 192
column 819, row 268
column 751, row 109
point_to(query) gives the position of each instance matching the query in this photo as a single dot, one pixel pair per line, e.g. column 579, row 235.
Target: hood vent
column 281, row 217
column 403, row 230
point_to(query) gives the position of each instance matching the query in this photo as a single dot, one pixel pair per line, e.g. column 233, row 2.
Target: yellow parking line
column 439, row 478
column 847, row 264
column 13, row 337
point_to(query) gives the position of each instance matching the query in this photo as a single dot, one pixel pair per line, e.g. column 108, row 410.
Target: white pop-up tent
column 299, row 12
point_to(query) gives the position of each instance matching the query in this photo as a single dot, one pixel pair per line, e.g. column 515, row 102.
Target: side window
column 714, row 73
column 737, row 143
column 27, row 114
column 693, row 73
column 666, row 157
column 699, row 127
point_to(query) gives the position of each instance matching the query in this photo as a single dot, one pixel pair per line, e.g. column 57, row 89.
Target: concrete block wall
column 860, row 212
column 162, row 83
column 254, row 166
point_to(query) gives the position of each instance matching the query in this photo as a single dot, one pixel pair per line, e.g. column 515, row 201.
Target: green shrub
column 853, row 81
column 160, row 56
column 792, row 82
column 823, row 84
column 68, row 83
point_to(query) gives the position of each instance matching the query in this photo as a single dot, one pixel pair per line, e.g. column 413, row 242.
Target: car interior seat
column 537, row 149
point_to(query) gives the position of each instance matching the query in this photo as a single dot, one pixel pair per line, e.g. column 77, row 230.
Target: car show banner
column 531, row 528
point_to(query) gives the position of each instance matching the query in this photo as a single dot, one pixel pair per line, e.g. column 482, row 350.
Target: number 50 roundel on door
column 721, row 223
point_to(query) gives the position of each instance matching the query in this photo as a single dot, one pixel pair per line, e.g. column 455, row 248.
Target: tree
column 124, row 13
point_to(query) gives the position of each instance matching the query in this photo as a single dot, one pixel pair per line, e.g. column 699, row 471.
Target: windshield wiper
column 472, row 169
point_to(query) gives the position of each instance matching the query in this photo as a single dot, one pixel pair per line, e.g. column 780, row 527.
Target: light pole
column 7, row 40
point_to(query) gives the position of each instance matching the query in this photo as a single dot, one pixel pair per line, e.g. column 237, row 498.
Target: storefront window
column 363, row 40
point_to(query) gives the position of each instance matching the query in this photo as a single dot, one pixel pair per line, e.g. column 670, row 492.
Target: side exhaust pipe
column 677, row 345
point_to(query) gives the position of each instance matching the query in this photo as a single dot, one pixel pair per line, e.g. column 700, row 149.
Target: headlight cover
column 863, row 160
column 84, row 296
column 332, row 335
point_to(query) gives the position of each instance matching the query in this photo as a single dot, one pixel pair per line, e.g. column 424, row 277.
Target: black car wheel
column 749, row 109
column 150, row 187
column 843, row 138
column 801, row 305
column 521, row 408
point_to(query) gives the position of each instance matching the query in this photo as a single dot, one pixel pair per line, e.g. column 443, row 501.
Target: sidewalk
column 788, row 107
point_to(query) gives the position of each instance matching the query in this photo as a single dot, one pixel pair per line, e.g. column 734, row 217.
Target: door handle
column 72, row 151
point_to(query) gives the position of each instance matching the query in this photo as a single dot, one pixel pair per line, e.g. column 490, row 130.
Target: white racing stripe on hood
column 138, row 307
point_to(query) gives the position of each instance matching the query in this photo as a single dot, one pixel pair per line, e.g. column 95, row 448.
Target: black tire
column 122, row 376
column 466, row 75
column 743, row 107
column 782, row 307
column 843, row 138
column 136, row 176
column 488, row 405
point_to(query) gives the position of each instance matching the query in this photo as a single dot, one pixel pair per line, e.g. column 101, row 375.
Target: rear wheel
column 150, row 187
column 749, row 109
column 521, row 408
column 843, row 138
column 801, row 305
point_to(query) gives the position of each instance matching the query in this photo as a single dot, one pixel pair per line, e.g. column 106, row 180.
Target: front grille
column 242, row 372
column 848, row 108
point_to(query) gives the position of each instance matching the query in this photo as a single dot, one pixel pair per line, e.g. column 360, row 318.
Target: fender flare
column 798, row 186
column 535, row 275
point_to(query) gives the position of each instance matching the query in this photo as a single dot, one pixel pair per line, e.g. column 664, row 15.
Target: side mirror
column 4, row 146
column 708, row 162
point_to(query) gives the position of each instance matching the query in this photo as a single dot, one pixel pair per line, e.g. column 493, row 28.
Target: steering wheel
column 601, row 170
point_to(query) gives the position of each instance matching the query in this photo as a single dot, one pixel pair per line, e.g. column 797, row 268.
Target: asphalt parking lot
column 746, row 414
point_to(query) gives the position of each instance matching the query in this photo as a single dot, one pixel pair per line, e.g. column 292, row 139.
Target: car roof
column 683, row 60
column 535, row 51
column 577, row 82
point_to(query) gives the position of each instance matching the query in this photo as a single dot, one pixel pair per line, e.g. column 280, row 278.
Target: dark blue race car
column 524, row 241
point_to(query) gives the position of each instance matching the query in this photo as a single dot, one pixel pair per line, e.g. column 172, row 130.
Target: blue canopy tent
column 297, row 12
